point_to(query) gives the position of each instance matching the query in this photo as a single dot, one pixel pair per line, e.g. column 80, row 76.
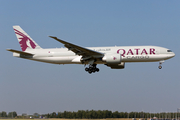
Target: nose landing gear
column 160, row 64
column 92, row 69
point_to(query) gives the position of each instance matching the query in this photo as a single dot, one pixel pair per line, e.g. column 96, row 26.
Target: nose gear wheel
column 160, row 64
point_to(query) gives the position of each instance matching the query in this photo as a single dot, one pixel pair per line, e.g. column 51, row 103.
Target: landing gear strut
column 92, row 69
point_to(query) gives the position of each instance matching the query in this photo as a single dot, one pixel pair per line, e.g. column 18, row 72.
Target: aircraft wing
column 78, row 49
column 20, row 52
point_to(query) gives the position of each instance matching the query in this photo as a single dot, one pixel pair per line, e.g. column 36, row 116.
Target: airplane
column 114, row 57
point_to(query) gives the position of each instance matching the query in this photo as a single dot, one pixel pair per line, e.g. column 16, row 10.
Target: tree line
column 92, row 114
column 3, row 114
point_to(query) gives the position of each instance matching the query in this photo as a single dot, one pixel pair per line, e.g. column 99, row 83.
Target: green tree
column 12, row 114
column 115, row 114
column 3, row 114
column 53, row 115
column 48, row 115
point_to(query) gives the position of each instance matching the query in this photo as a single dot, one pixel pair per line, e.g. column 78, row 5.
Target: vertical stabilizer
column 25, row 41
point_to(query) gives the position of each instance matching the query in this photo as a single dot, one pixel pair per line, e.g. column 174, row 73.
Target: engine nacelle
column 114, row 61
column 112, row 58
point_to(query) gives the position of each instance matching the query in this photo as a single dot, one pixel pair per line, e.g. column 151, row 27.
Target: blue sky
column 29, row 86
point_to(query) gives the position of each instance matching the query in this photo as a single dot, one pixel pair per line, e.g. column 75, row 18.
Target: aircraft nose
column 173, row 54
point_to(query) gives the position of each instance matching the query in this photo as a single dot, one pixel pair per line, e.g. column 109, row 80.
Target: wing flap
column 20, row 52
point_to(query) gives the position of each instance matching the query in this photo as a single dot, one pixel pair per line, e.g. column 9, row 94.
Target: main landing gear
column 160, row 64
column 92, row 69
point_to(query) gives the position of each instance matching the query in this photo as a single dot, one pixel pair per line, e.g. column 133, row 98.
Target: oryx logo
column 25, row 42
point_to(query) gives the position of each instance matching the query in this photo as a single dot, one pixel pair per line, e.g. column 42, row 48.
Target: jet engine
column 112, row 58
column 114, row 61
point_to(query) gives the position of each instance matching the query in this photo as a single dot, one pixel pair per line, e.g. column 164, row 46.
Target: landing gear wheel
column 160, row 67
column 89, row 71
column 97, row 69
column 93, row 70
column 86, row 69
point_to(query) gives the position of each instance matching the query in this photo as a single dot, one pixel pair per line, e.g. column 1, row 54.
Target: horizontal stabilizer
column 20, row 52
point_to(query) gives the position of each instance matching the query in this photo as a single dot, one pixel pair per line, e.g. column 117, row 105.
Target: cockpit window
column 169, row 50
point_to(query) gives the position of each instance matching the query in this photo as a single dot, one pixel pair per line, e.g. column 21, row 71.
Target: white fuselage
column 128, row 54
